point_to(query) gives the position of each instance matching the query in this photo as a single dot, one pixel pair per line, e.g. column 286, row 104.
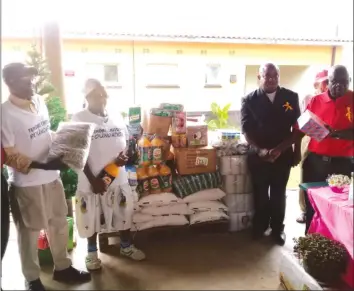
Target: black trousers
column 316, row 168
column 269, row 182
column 5, row 215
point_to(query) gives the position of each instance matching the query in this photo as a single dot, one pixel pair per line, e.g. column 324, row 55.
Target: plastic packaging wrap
column 237, row 203
column 234, row 165
column 237, row 184
column 231, row 147
column 72, row 142
column 187, row 185
column 240, row 221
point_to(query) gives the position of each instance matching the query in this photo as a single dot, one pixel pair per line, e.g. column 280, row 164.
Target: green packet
column 134, row 115
column 161, row 112
column 172, row 107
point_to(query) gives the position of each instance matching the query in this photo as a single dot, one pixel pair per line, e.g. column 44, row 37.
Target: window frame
column 174, row 84
column 212, row 83
column 108, row 84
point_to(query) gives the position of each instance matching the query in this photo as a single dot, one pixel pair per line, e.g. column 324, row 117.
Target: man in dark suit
column 268, row 116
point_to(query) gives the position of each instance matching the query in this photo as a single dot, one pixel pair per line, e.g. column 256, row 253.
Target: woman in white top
column 99, row 208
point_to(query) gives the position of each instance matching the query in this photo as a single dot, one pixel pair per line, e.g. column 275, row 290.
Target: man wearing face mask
column 320, row 86
column 335, row 153
column 268, row 115
column 36, row 191
column 104, row 206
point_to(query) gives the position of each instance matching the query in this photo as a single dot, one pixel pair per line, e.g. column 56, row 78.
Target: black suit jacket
column 267, row 123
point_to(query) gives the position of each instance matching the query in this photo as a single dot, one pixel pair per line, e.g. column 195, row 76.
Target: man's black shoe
column 279, row 238
column 71, row 275
column 35, row 285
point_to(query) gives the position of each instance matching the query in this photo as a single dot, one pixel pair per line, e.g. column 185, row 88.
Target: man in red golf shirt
column 320, row 86
column 334, row 154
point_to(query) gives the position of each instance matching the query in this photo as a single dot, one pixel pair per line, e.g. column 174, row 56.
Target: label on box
column 201, row 161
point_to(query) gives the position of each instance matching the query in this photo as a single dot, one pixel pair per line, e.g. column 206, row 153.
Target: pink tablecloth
column 334, row 219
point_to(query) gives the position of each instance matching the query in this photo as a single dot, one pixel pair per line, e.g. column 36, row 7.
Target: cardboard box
column 195, row 160
column 197, row 135
column 179, row 140
column 153, row 124
column 312, row 126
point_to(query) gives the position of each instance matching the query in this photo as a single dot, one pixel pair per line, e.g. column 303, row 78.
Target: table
column 334, row 219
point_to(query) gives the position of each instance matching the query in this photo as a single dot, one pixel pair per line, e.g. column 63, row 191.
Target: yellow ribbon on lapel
column 287, row 106
column 349, row 114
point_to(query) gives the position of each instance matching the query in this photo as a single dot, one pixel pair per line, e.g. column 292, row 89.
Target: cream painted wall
column 347, row 60
column 191, row 59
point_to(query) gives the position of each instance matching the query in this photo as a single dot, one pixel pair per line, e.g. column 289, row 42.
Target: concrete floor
column 178, row 260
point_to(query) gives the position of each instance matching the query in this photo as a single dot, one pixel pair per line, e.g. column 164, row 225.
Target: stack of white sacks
column 166, row 209
column 206, row 205
column 238, row 189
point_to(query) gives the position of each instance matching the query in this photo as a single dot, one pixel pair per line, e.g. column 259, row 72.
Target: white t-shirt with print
column 108, row 140
column 29, row 133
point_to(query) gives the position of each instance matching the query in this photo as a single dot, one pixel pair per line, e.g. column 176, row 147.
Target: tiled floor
column 177, row 261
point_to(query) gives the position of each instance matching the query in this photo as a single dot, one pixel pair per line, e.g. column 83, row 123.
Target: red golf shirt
column 338, row 114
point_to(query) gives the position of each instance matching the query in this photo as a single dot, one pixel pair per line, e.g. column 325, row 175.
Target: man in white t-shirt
column 101, row 207
column 36, row 191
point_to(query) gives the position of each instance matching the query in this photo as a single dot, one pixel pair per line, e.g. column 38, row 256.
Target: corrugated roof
column 272, row 21
column 92, row 34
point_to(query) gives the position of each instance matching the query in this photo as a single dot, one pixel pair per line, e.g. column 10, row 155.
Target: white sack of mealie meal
column 72, row 142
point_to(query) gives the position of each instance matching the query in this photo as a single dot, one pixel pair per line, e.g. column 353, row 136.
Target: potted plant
column 221, row 117
column 324, row 259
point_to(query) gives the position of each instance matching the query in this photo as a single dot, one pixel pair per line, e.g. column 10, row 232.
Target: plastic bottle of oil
column 109, row 173
column 165, row 178
column 144, row 148
column 157, row 145
column 153, row 174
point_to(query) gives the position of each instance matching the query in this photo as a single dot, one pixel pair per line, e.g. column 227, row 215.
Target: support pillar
column 52, row 46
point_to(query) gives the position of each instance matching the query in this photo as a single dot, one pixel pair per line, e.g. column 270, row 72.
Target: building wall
column 186, row 66
column 297, row 78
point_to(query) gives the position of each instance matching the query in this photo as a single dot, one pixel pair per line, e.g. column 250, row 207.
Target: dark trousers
column 269, row 182
column 316, row 168
column 5, row 215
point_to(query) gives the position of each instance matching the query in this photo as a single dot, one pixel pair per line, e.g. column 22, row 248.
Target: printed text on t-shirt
column 39, row 129
column 105, row 133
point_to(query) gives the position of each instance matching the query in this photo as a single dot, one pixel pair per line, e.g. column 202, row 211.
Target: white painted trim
column 269, row 41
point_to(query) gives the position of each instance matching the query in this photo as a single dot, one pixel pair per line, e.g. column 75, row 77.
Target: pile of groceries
column 175, row 170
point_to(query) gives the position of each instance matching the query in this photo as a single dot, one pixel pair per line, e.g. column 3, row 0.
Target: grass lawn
column 294, row 179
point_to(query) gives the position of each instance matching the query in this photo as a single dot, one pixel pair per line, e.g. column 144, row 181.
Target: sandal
column 301, row 218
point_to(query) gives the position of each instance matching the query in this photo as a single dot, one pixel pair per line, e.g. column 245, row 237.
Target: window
column 212, row 76
column 106, row 73
column 110, row 73
column 162, row 76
